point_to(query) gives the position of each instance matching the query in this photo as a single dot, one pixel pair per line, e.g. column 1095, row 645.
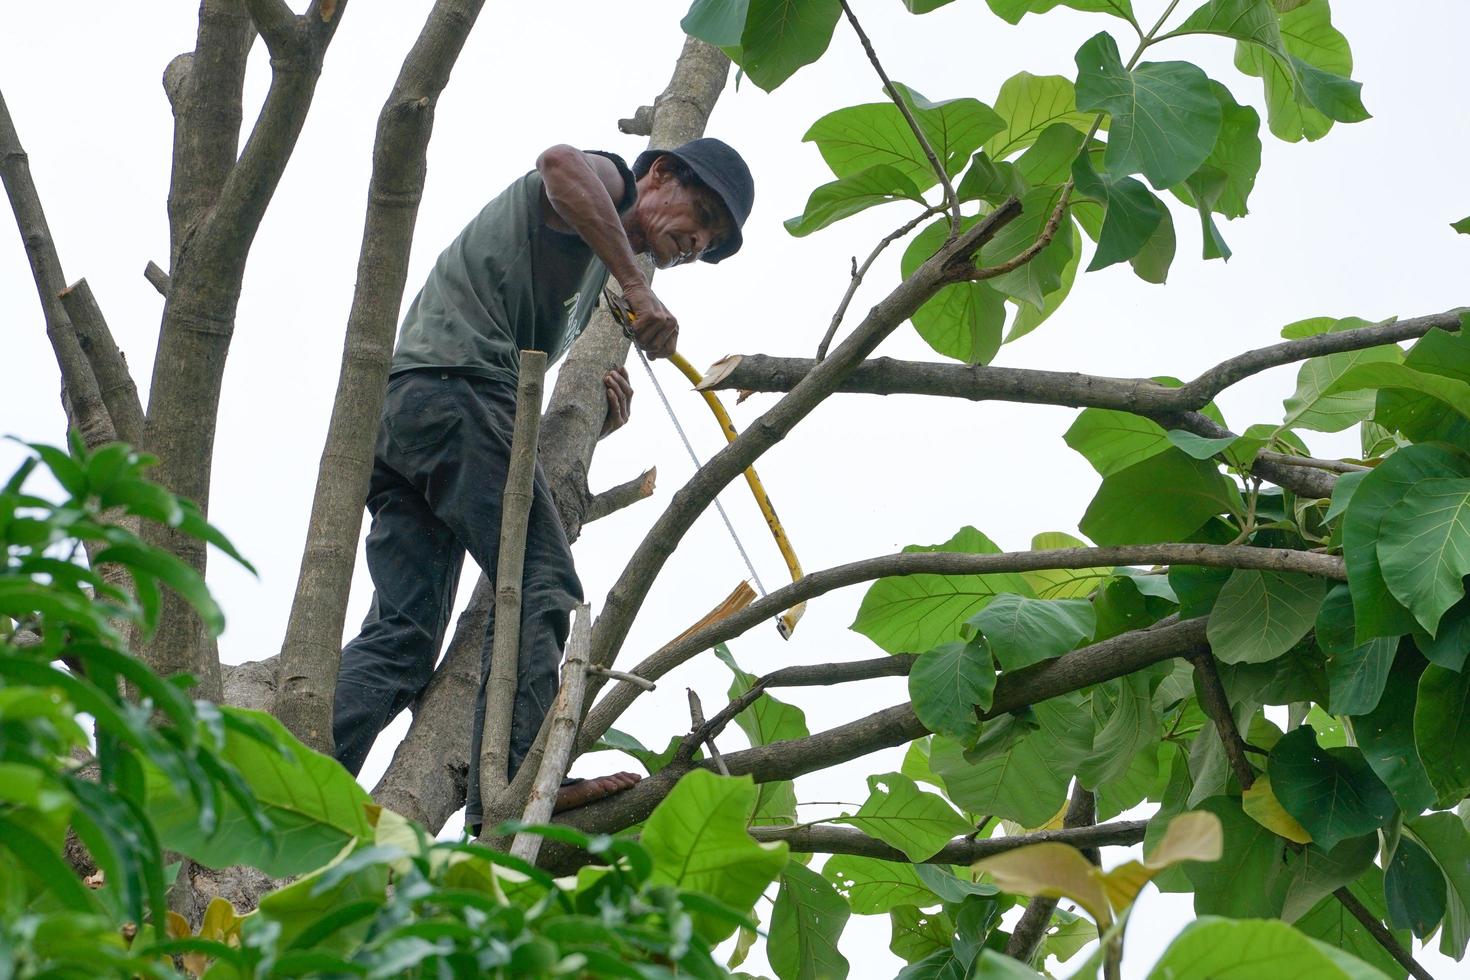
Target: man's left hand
column 619, row 400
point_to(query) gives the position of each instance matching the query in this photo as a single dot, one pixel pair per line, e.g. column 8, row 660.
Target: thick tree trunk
column 311, row 649
column 569, row 434
column 215, row 207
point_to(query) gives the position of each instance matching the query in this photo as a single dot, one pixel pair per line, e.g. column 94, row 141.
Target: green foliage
column 52, row 608
column 808, row 917
column 897, row 812
column 1258, row 615
column 1163, row 498
column 698, row 842
column 918, row 612
column 948, row 683
column 1214, row 947
column 1333, row 793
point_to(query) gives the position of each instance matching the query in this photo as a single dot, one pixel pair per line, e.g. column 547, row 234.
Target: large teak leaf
column 1164, row 117
column 897, row 812
column 1332, row 792
column 1258, row 615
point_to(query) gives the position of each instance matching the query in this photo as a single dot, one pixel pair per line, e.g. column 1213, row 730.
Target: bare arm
column 581, row 190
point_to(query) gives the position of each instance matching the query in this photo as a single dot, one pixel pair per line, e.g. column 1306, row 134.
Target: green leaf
column 767, row 720
column 718, row 22
column 1132, row 213
column 858, row 137
column 1376, row 612
column 1450, row 645
column 1130, row 728
column 1308, row 88
column 1164, row 117
column 1152, row 262
column 1386, row 736
column 1415, row 889
column 1027, row 780
column 808, row 917
column 873, row 887
column 1063, row 583
column 1244, row 20
column 986, row 180
column 1442, row 732
column 1462, row 226
column 948, row 682
column 698, row 842
column 1011, row 11
column 1318, row 403
column 898, row 813
column 781, row 36
column 1258, row 615
column 1112, row 441
column 1049, row 160
column 1031, row 105
column 142, row 561
column 1444, row 837
column 1028, row 317
column 963, row 320
column 1198, row 446
column 314, row 806
column 1024, row 631
column 1163, row 498
column 1452, row 392
column 1333, row 793
column 1356, row 678
column 1330, row 922
column 1314, row 874
column 1213, row 949
column 1042, row 275
column 847, row 196
column 919, row 612
column 1247, row 884
column 1424, row 417
column 1424, row 548
column 917, row 934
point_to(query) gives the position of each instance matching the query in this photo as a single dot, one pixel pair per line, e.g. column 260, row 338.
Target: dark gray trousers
column 439, row 473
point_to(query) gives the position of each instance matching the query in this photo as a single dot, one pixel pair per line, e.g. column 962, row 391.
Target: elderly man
column 526, row 273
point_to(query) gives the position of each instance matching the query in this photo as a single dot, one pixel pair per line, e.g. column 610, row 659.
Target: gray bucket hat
column 721, row 169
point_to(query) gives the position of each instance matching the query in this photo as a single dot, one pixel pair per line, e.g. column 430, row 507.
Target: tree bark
column 216, row 203
column 515, row 511
column 89, row 413
column 311, row 649
column 569, row 432
column 114, row 381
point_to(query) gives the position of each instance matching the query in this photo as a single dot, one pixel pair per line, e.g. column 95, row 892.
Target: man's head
column 692, row 201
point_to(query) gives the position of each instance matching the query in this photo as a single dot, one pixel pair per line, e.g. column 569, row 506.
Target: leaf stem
column 1151, row 37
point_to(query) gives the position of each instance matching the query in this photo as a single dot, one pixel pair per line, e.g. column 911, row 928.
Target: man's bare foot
column 590, row 790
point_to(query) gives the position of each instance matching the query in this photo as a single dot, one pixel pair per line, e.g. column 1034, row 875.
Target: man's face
column 680, row 222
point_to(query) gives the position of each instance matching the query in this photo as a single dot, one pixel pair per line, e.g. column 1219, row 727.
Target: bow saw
column 786, row 622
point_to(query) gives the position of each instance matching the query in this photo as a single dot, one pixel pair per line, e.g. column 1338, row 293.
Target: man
column 526, row 273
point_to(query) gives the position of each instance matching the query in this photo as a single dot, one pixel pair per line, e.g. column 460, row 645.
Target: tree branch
column 897, row 725
column 275, row 22
column 88, row 410
column 1377, row 930
column 859, row 271
column 311, row 648
column 606, row 712
column 114, row 381
column 515, row 511
column 628, row 593
column 1216, row 706
column 565, row 712
column 1197, row 393
column 1031, row 929
column 1311, row 462
column 826, row 839
column 623, row 495
column 1048, row 232
column 157, row 278
column 950, row 197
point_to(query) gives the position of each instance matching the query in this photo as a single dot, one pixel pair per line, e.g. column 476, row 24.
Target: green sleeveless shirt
column 508, row 283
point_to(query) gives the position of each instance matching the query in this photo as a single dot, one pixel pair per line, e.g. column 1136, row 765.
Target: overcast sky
column 1356, row 224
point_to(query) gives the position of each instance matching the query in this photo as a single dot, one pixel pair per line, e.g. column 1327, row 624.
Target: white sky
column 1356, row 224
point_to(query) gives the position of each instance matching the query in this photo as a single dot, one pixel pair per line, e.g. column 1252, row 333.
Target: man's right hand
column 655, row 330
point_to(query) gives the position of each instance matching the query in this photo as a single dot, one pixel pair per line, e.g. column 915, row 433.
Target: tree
column 1231, row 572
